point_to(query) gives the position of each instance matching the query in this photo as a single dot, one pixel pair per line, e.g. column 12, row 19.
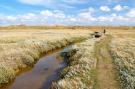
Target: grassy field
column 97, row 63
column 103, row 63
column 18, row 27
column 20, row 49
column 122, row 50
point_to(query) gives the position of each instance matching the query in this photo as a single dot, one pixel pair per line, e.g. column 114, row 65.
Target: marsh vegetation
column 93, row 63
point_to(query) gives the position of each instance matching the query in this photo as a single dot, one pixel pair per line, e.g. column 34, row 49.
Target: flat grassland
column 104, row 63
column 92, row 65
column 20, row 49
column 122, row 50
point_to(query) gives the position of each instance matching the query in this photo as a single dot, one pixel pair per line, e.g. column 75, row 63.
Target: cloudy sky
column 67, row 12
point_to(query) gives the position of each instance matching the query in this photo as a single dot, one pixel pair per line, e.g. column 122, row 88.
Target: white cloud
column 44, row 17
column 120, row 8
column 72, row 19
column 46, row 13
column 59, row 14
column 53, row 14
column 83, row 17
column 122, row 18
column 114, row 14
column 105, row 8
column 11, row 18
column 28, row 16
column 86, row 15
column 131, row 13
column 113, row 18
column 105, row 18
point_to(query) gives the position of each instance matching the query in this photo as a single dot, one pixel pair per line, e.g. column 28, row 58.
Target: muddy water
column 41, row 76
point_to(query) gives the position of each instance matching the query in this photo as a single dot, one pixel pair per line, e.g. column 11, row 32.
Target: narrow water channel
column 45, row 71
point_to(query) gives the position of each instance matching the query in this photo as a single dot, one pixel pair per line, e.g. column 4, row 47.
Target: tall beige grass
column 122, row 49
column 78, row 74
column 21, row 49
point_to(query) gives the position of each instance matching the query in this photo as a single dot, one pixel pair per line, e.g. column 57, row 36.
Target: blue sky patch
column 67, row 12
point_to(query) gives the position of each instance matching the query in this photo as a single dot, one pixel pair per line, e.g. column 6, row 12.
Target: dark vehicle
column 97, row 34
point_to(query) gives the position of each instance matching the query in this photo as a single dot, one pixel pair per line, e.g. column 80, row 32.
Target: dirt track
column 107, row 77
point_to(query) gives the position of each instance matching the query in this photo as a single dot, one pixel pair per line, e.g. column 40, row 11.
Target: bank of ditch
column 25, row 54
column 80, row 72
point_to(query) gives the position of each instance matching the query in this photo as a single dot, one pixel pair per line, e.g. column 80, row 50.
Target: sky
column 67, row 12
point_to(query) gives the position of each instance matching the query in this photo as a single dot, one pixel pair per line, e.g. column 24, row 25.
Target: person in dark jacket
column 104, row 31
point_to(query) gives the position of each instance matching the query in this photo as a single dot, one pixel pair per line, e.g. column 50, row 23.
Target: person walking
column 104, row 31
